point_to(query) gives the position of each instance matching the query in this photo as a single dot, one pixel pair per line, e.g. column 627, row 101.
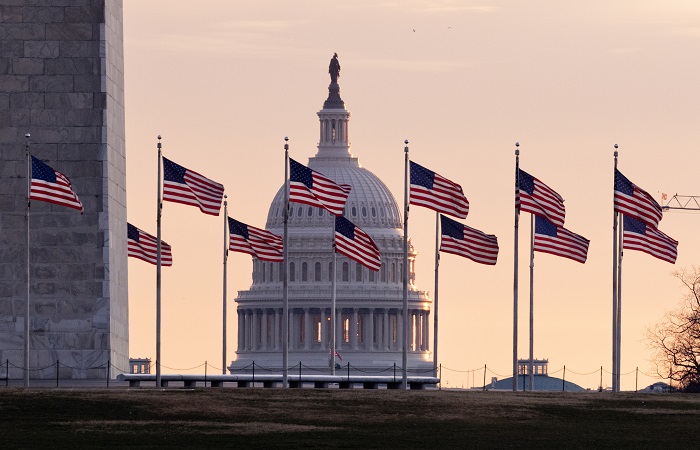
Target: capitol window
column 358, row 272
column 330, row 272
column 354, row 211
column 304, row 271
column 364, row 212
column 371, row 275
column 299, row 211
column 292, row 276
column 317, row 271
column 311, row 211
column 374, row 212
column 346, row 272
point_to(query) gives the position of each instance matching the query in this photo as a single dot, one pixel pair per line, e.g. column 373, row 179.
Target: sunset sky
column 224, row 82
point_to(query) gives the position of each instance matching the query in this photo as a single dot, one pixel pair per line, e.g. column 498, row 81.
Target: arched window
column 330, row 271
column 262, row 277
column 311, row 211
column 292, row 275
column 374, row 212
column 304, row 271
column 346, row 271
column 271, row 269
column 281, row 272
column 353, row 211
column 364, row 212
column 371, row 276
column 317, row 271
column 358, row 272
column 320, row 212
column 393, row 272
column 300, row 211
column 382, row 272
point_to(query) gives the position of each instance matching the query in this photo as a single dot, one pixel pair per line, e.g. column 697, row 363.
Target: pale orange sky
column 223, row 83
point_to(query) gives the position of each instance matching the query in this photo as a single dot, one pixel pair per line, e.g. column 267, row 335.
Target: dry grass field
column 332, row 418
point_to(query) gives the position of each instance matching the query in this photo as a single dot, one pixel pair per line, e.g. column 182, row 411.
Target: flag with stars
column 143, row 246
column 354, row 243
column 645, row 238
column 632, row 201
column 468, row 242
column 559, row 241
column 433, row 191
column 537, row 198
column 261, row 244
column 48, row 185
column 181, row 185
column 311, row 188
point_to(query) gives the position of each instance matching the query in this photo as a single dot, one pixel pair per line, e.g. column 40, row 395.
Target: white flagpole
column 333, row 312
column 620, row 243
column 158, row 265
column 26, row 316
column 223, row 365
column 531, row 364
column 515, row 274
column 614, row 299
column 435, row 304
column 285, row 288
column 406, row 331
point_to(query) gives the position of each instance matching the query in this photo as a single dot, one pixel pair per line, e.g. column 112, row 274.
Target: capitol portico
column 369, row 314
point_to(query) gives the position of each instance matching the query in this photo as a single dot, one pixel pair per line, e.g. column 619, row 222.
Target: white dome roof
column 370, row 204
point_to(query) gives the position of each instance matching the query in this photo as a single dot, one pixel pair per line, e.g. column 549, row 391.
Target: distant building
column 369, row 304
column 543, row 382
column 139, row 365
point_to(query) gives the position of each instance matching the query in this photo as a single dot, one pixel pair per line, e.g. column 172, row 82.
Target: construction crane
column 682, row 202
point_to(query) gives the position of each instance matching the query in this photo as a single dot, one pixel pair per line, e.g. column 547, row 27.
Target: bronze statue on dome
column 334, row 68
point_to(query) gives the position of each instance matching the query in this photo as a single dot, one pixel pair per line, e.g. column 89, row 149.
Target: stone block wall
column 62, row 81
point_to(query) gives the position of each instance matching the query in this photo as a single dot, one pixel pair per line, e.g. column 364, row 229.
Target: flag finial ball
column 27, row 135
column 159, row 137
column 615, row 145
column 406, row 142
column 517, row 144
column 286, row 138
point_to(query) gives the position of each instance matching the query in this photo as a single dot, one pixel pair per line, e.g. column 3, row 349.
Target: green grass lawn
column 314, row 418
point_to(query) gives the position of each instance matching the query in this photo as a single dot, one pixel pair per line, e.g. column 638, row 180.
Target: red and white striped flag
column 436, row 192
column 635, row 202
column 311, row 188
column 559, row 241
column 51, row 186
column 465, row 241
column 539, row 199
column 261, row 244
column 645, row 238
column 143, row 246
column 354, row 243
column 181, row 185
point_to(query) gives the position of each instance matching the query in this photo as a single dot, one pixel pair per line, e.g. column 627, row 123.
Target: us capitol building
column 369, row 305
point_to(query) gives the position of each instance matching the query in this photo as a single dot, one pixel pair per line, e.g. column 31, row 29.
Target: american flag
column 539, row 199
column 310, row 187
column 258, row 243
column 465, row 241
column 559, row 241
column 186, row 186
column 436, row 192
column 143, row 246
column 648, row 239
column 354, row 243
column 52, row 186
column 635, row 202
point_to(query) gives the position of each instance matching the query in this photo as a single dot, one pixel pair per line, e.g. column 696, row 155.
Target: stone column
column 307, row 329
column 426, row 332
column 387, row 338
column 324, row 329
column 339, row 328
column 370, row 329
column 353, row 330
column 241, row 329
column 277, row 330
column 416, row 331
column 399, row 328
column 263, row 330
column 254, row 330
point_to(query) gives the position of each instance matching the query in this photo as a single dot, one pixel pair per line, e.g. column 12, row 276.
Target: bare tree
column 676, row 339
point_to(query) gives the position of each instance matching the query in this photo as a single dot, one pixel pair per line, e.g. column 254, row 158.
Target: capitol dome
column 369, row 313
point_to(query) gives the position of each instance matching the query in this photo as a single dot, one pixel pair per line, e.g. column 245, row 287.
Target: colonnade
column 357, row 329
